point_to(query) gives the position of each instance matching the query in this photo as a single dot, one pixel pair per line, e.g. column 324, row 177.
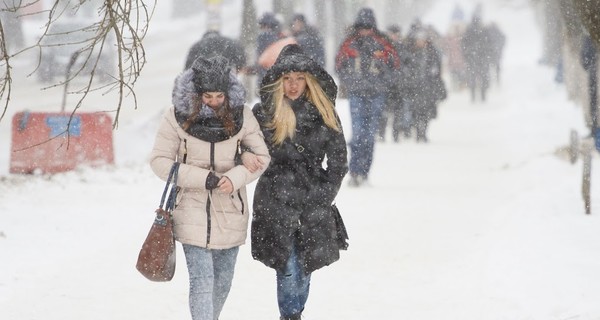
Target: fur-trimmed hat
column 211, row 75
column 206, row 75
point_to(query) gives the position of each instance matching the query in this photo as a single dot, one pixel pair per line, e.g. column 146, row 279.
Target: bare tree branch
column 120, row 30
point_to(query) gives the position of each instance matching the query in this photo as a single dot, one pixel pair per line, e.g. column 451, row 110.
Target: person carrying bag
column 205, row 127
column 156, row 260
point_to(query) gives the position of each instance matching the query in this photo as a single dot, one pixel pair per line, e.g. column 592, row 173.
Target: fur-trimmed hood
column 292, row 58
column 206, row 126
column 184, row 92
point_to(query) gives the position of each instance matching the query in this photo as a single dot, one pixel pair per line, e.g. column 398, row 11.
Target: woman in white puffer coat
column 204, row 131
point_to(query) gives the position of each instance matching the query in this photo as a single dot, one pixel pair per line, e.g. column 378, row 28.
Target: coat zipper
column 208, row 220
column 241, row 201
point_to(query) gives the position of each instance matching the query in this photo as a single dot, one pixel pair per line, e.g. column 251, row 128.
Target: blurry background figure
column 497, row 41
column 476, row 46
column 308, row 38
column 424, row 86
column 367, row 64
column 452, row 49
column 395, row 108
column 270, row 31
column 589, row 61
column 214, row 44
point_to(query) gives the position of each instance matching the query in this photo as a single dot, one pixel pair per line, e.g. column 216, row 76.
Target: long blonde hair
column 284, row 119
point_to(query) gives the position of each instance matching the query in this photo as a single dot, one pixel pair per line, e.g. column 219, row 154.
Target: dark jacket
column 311, row 43
column 476, row 47
column 212, row 44
column 292, row 199
column 367, row 64
column 422, row 76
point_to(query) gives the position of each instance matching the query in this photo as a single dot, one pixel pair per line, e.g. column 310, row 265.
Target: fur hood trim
column 184, row 93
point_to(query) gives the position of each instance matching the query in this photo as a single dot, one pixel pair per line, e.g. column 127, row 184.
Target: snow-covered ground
column 485, row 222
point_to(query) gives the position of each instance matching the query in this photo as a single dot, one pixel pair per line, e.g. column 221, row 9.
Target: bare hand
column 252, row 162
column 225, row 185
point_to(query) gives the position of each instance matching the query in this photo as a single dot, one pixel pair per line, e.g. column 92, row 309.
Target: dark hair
column 365, row 19
column 223, row 113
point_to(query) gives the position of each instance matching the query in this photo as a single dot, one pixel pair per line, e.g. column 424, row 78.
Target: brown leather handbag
column 156, row 260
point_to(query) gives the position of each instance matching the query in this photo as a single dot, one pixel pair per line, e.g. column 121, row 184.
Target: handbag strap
column 172, row 183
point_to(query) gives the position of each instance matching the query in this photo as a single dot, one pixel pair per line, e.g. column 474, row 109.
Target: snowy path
column 484, row 222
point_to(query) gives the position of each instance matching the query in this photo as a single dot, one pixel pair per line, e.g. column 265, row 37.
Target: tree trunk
column 248, row 39
column 588, row 12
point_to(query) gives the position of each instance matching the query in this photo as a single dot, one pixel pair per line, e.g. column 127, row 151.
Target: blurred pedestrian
column 213, row 44
column 270, row 31
column 202, row 131
column 308, row 38
column 425, row 87
column 476, row 51
column 589, row 61
column 452, row 49
column 293, row 226
column 396, row 111
column 366, row 63
column 497, row 41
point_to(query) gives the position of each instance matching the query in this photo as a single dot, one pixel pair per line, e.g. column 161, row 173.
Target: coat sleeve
column 166, row 145
column 254, row 141
column 165, row 151
column 337, row 167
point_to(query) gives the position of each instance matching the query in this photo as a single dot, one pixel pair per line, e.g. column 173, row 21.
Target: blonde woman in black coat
column 293, row 228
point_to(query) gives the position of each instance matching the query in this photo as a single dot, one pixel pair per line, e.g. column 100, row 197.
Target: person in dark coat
column 293, row 227
column 476, row 51
column 214, row 44
column 423, row 81
column 497, row 41
column 396, row 109
column 308, row 39
column 366, row 63
column 589, row 61
column 269, row 32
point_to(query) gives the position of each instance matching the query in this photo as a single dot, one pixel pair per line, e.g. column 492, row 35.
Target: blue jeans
column 292, row 287
column 365, row 113
column 211, row 273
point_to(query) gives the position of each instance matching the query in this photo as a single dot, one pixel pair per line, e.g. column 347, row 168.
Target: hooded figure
column 269, row 33
column 214, row 44
column 203, row 131
column 365, row 19
column 367, row 63
column 308, row 38
column 293, row 228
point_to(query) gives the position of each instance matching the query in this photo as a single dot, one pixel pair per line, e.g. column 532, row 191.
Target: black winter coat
column 212, row 44
column 293, row 197
column 423, row 79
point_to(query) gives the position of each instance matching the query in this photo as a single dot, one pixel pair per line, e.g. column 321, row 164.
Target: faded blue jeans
column 292, row 287
column 211, row 274
column 365, row 113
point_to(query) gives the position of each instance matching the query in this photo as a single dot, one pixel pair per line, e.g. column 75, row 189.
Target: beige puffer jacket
column 225, row 224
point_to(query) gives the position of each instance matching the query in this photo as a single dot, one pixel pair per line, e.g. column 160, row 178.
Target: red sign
column 58, row 142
